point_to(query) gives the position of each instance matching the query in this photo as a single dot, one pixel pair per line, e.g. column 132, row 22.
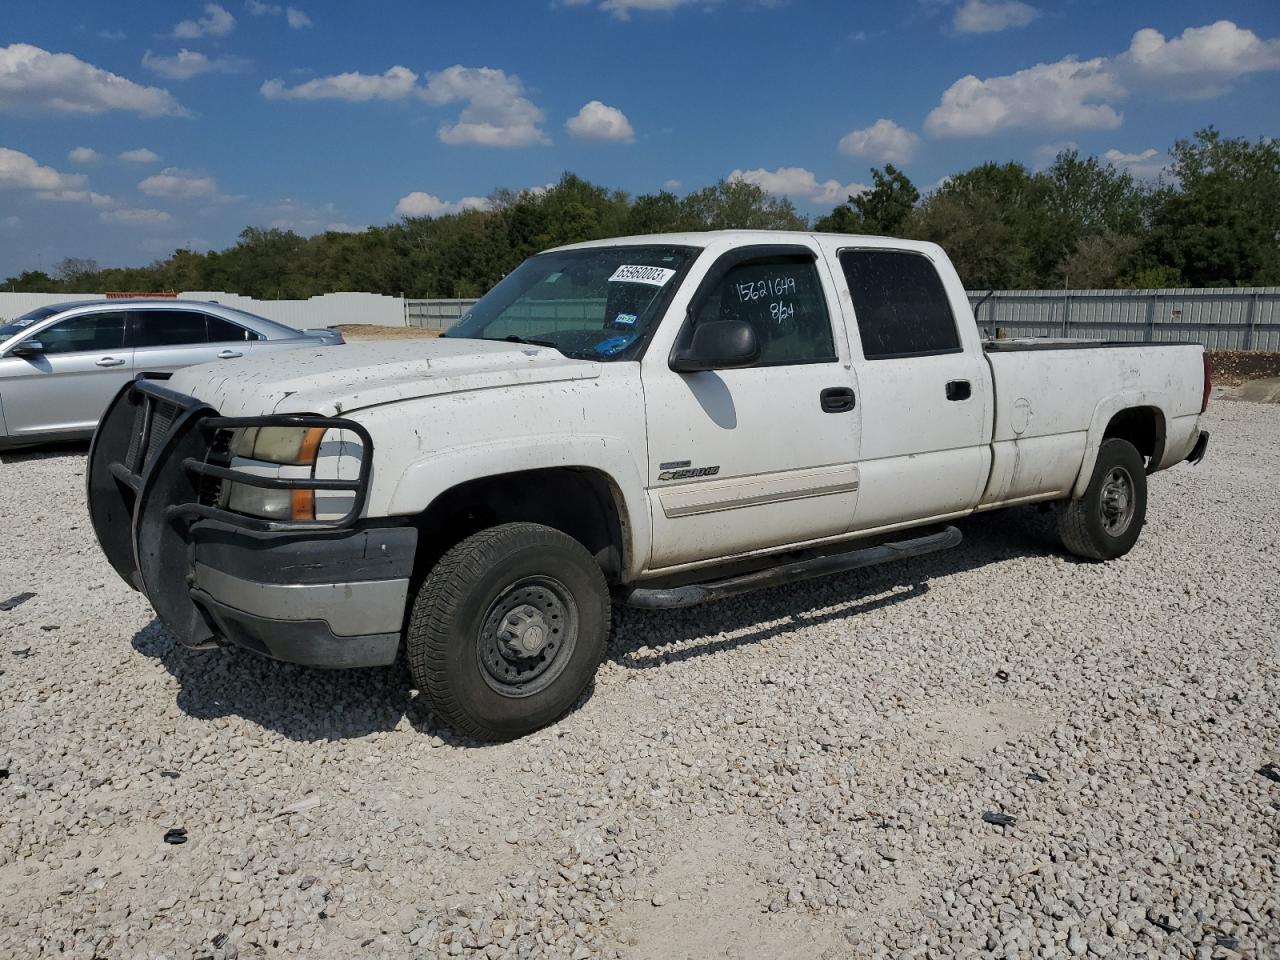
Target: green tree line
column 1213, row 220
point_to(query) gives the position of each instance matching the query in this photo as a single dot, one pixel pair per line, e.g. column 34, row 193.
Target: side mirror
column 718, row 345
column 27, row 348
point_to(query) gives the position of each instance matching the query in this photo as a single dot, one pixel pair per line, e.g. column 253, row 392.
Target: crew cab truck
column 656, row 420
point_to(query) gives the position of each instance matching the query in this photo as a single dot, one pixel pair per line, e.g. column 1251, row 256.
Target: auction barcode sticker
column 631, row 273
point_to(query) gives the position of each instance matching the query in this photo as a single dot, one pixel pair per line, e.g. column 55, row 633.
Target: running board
column 695, row 593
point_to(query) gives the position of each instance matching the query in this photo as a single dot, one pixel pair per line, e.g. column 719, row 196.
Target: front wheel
column 1105, row 522
column 507, row 630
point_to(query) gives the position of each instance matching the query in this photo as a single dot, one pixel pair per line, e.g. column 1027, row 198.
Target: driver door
column 750, row 458
column 65, row 388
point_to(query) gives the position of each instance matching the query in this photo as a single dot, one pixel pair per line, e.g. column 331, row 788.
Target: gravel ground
column 801, row 773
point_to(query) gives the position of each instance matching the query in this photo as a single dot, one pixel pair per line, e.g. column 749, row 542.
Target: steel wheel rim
column 527, row 636
column 1117, row 501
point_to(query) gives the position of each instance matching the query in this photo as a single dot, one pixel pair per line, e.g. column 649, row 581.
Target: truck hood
column 333, row 381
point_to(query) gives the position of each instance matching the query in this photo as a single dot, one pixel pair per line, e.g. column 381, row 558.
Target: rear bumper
column 319, row 594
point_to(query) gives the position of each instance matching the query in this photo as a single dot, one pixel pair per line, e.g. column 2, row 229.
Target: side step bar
column 695, row 593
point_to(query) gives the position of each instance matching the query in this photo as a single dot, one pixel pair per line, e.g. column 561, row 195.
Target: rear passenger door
column 168, row 339
column 924, row 396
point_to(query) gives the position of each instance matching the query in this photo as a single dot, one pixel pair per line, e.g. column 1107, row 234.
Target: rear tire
column 507, row 630
column 1106, row 521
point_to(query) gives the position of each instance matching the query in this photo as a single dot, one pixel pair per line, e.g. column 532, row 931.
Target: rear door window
column 224, row 331
column 900, row 304
column 782, row 298
column 169, row 328
column 95, row 332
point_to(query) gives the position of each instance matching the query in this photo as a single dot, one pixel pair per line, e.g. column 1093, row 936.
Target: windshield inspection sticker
column 625, row 320
column 631, row 273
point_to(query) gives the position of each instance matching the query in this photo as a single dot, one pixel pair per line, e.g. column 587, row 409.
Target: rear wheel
column 1106, row 521
column 508, row 629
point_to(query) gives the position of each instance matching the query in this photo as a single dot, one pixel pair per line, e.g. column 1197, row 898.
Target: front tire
column 507, row 630
column 1106, row 521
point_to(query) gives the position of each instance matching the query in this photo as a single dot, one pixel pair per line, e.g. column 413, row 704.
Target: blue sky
column 130, row 129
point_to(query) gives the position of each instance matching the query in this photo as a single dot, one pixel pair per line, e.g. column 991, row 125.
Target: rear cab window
column 781, row 296
column 900, row 306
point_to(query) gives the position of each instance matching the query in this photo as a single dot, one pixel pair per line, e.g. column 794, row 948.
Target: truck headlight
column 289, row 447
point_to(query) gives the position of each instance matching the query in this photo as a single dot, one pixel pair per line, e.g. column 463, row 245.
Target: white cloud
column 33, row 80
column 176, row 184
column 140, row 155
column 672, row 184
column 295, row 17
column 596, row 121
column 84, row 155
column 290, row 213
column 1049, row 96
column 884, row 141
column 1073, row 94
column 1197, row 63
column 216, row 22
column 497, row 113
column 419, row 204
column 991, row 16
column 135, row 216
column 622, row 8
column 186, row 64
column 78, row 196
column 799, row 183
column 396, row 83
column 18, row 171
column 1145, row 165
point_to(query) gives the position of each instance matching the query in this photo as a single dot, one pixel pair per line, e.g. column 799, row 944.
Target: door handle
column 229, row 354
column 959, row 390
column 837, row 399
column 110, row 362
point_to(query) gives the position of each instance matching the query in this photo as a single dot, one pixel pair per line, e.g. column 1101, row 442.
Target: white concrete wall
column 328, row 310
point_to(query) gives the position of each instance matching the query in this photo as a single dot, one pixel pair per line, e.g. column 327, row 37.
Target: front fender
column 1107, row 408
column 423, row 480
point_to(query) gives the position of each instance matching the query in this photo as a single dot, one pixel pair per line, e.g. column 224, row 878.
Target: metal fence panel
column 438, row 315
column 1244, row 318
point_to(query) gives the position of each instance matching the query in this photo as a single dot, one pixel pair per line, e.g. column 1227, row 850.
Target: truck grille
column 152, row 424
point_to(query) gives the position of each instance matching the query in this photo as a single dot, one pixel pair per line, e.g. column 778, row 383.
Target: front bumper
column 328, row 594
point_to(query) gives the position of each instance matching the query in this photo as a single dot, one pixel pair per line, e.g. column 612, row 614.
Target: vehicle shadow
column 306, row 704
column 67, row 448
column 646, row 639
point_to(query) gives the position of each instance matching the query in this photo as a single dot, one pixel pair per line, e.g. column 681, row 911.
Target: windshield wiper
column 512, row 338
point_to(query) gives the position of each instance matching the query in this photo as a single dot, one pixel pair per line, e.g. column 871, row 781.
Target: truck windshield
column 592, row 304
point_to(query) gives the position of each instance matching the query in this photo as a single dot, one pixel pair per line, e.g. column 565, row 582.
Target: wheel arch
column 1141, row 417
column 588, row 488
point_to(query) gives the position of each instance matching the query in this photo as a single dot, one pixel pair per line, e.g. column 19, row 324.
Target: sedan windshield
column 592, row 304
column 18, row 324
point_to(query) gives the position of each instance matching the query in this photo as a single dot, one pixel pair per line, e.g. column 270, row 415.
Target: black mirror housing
column 718, row 345
column 27, row 348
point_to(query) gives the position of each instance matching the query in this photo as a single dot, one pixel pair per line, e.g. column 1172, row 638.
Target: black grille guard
column 151, row 461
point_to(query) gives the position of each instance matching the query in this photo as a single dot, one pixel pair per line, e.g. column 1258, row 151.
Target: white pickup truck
column 655, row 420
